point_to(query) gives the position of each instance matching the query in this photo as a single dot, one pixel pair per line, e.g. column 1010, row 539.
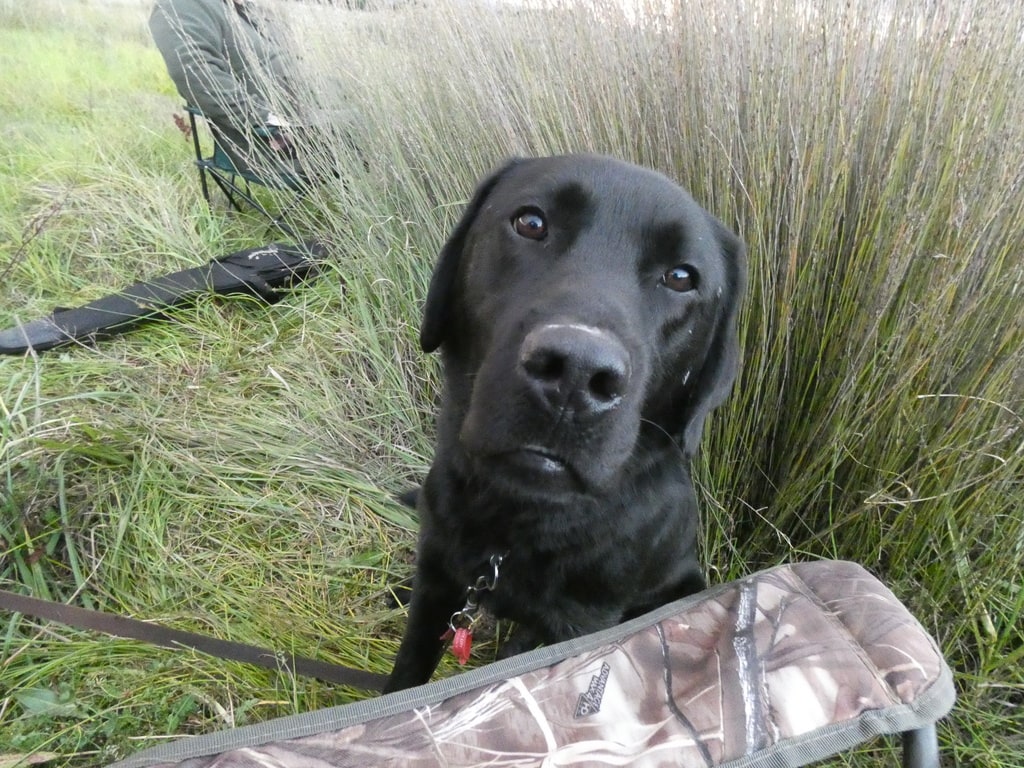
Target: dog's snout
column 575, row 368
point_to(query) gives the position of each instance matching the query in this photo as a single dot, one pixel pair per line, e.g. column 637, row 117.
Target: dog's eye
column 530, row 223
column 680, row 279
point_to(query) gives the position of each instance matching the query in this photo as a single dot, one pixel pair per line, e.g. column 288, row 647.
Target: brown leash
column 122, row 626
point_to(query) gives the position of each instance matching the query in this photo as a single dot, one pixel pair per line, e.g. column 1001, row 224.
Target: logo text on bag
column 590, row 700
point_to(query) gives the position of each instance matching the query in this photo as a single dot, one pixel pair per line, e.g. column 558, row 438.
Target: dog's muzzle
column 573, row 370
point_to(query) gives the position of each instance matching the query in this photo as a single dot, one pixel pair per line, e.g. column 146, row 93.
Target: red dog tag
column 462, row 644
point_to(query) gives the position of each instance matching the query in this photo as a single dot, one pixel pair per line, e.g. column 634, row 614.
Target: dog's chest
column 536, row 579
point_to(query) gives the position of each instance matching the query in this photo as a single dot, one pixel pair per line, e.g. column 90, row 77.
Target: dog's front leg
column 557, row 627
column 433, row 602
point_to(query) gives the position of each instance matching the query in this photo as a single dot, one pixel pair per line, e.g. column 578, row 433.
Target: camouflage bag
column 785, row 667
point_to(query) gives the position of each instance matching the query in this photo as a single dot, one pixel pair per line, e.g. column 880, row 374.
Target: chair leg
column 202, row 183
column 279, row 220
column 234, row 192
column 921, row 748
column 199, row 156
column 229, row 188
column 283, row 227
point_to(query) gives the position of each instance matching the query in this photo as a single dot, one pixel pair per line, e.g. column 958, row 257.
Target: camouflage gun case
column 785, row 667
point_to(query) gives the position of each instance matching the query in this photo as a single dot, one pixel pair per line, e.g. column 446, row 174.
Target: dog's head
column 580, row 303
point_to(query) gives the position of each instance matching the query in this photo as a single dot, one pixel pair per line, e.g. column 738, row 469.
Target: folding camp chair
column 236, row 183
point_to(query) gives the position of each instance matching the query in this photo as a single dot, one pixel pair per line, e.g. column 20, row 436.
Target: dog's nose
column 575, row 368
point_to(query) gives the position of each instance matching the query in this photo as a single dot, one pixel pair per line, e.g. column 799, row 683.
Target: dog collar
column 460, row 625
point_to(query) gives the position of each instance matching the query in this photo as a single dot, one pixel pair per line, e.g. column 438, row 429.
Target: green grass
column 231, row 470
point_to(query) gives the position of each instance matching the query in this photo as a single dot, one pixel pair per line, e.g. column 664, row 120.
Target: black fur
column 579, row 366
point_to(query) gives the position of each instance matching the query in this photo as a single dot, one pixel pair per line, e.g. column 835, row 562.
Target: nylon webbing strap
column 122, row 626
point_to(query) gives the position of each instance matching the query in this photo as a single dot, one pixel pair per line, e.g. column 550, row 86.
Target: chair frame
column 236, row 184
column 921, row 747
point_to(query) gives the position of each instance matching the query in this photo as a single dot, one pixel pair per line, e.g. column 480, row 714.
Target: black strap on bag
column 256, row 271
column 122, row 626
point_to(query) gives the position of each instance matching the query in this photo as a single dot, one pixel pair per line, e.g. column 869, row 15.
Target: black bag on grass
column 256, row 271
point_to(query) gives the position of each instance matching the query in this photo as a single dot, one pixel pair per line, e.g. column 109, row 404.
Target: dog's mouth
column 540, row 460
column 536, row 468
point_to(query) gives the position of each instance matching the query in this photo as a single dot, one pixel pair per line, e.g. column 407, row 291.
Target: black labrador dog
column 585, row 309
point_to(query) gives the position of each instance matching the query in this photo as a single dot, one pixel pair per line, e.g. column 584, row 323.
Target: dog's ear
column 715, row 380
column 440, row 294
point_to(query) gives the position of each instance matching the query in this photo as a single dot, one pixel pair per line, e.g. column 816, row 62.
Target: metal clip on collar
column 466, row 618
